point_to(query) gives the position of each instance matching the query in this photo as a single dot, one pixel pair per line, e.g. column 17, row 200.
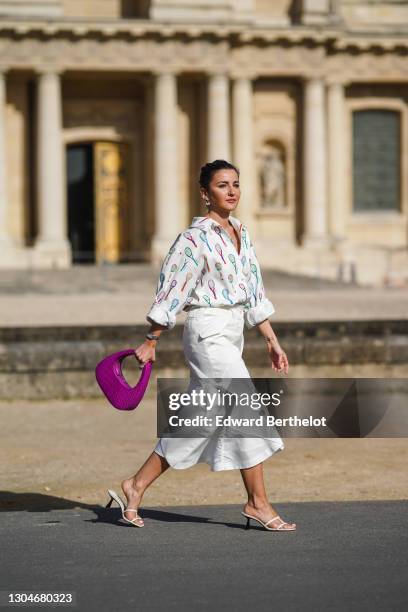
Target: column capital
column 158, row 71
column 315, row 77
column 215, row 71
column 44, row 69
column 336, row 80
column 245, row 74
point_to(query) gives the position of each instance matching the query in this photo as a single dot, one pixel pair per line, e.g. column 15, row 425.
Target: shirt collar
column 208, row 222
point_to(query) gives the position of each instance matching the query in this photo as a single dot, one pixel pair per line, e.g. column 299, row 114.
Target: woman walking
column 211, row 271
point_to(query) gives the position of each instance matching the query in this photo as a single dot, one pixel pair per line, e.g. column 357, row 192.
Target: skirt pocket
column 210, row 323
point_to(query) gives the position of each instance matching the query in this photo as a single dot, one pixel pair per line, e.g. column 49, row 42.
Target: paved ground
column 108, row 295
column 343, row 556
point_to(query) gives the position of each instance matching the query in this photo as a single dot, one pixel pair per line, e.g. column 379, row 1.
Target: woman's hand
column 278, row 357
column 146, row 352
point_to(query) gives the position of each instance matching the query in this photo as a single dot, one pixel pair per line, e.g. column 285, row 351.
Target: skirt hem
column 219, row 467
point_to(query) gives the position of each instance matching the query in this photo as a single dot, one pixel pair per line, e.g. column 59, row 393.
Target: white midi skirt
column 213, row 341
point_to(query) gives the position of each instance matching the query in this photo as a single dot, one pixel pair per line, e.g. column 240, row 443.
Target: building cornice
column 338, row 37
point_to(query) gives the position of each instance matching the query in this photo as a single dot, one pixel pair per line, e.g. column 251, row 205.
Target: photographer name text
column 259, row 421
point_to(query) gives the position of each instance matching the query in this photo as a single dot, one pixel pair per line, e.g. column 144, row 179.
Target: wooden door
column 111, row 172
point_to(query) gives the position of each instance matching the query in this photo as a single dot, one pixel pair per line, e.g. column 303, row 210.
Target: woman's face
column 224, row 190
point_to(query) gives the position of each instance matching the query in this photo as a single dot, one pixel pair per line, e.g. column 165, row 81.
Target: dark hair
column 207, row 171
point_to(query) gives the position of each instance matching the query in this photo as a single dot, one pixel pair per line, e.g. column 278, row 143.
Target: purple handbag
column 120, row 394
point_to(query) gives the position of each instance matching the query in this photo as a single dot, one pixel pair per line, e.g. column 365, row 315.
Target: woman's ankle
column 258, row 503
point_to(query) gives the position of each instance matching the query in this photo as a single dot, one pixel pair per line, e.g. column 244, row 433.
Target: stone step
column 57, row 362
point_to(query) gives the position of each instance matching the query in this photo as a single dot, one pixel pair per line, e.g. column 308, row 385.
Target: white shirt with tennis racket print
column 204, row 269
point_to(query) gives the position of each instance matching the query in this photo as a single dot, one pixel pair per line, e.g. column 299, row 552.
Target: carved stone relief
column 272, row 176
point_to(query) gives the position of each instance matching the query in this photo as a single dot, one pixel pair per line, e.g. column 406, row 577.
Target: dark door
column 81, row 216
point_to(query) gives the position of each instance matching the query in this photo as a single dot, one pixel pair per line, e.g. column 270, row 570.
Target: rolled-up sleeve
column 179, row 275
column 260, row 307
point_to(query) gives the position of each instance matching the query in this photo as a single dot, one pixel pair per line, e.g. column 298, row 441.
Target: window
column 376, row 160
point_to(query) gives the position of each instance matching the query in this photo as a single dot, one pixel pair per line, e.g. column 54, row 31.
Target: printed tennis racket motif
column 189, row 237
column 218, row 248
column 211, row 285
column 231, row 257
column 218, row 230
column 204, row 238
column 225, row 293
column 161, row 280
column 172, row 285
column 189, row 254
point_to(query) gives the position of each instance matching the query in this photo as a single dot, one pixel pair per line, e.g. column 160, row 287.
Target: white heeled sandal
column 266, row 525
column 115, row 497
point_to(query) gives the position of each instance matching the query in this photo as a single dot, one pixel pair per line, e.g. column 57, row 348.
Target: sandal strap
column 135, row 517
column 273, row 519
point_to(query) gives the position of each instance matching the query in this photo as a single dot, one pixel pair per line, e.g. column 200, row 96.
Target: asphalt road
column 343, row 556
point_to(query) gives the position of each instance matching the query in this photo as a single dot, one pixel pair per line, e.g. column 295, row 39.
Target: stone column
column 5, row 240
column 315, row 166
column 218, row 117
column 243, row 146
column 337, row 192
column 166, row 169
column 52, row 245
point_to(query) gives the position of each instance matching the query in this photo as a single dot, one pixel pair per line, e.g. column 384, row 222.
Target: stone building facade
column 108, row 108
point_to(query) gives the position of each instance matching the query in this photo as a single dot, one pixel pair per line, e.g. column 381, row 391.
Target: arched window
column 376, row 160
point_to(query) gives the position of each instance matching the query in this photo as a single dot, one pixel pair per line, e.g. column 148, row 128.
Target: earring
column 206, row 202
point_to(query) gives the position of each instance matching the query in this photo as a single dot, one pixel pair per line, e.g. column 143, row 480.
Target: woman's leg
column 134, row 487
column 258, row 504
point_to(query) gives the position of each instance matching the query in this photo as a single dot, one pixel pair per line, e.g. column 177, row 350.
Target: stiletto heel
column 108, row 505
column 247, row 523
column 115, row 497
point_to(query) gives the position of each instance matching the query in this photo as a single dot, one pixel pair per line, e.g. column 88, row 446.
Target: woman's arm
column 147, row 351
column 277, row 354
